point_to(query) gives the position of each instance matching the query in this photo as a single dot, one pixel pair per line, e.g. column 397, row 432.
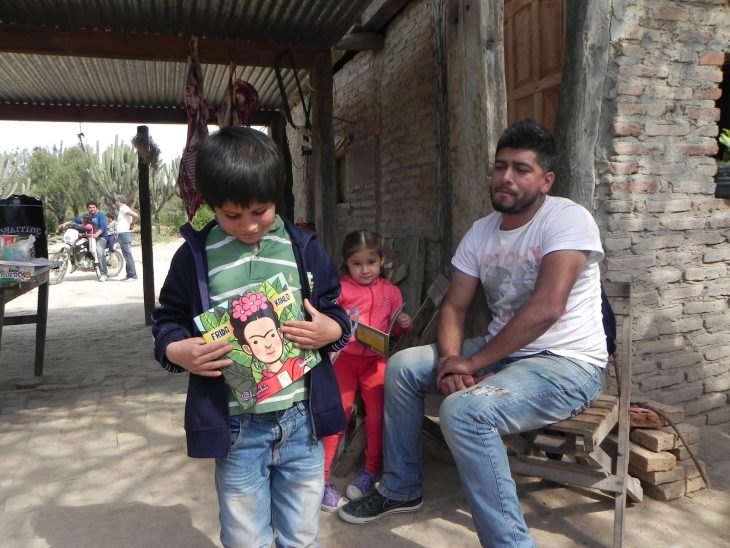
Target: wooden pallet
column 580, row 450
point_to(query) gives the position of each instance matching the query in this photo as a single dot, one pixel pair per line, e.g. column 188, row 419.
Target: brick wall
column 660, row 222
column 661, row 225
column 385, row 114
column 385, row 106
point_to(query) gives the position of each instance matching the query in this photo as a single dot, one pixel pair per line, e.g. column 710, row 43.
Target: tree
column 54, row 182
column 163, row 188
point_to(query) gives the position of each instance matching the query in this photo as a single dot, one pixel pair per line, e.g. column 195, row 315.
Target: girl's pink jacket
column 376, row 304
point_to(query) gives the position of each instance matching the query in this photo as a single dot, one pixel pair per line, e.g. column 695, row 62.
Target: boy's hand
column 310, row 335
column 199, row 357
column 404, row 321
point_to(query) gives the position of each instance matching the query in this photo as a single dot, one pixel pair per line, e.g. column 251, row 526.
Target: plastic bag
column 17, row 248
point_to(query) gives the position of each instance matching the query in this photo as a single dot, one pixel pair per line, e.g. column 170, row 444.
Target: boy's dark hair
column 357, row 240
column 527, row 134
column 239, row 164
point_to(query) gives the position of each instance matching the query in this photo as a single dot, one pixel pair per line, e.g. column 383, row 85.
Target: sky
column 170, row 138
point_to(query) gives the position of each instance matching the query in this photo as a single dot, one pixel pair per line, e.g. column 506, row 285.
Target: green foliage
column 65, row 179
column 54, row 182
column 202, row 217
column 172, row 217
column 163, row 191
column 725, row 141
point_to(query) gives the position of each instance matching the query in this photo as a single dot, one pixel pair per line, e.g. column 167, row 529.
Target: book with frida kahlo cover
column 264, row 361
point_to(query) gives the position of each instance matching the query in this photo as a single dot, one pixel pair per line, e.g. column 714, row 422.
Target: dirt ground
column 93, row 454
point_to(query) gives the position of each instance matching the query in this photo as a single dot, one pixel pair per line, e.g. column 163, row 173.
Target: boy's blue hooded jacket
column 184, row 295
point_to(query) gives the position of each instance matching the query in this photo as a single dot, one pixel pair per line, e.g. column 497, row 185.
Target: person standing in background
column 126, row 217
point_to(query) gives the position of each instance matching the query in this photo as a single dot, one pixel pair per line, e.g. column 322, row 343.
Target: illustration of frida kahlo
column 256, row 327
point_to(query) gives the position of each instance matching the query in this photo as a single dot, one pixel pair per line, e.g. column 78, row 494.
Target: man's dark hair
column 527, row 134
column 239, row 164
column 92, row 202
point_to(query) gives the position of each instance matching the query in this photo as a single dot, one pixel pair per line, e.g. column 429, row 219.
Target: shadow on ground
column 132, row 525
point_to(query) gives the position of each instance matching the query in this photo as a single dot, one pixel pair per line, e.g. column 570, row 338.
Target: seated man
column 540, row 362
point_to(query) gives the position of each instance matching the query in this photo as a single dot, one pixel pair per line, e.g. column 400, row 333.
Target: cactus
column 115, row 172
column 12, row 181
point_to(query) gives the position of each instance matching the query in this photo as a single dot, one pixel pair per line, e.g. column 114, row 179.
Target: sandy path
column 85, row 313
column 94, row 456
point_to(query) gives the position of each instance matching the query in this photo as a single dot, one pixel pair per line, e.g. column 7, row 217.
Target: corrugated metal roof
column 112, row 82
column 320, row 22
column 96, row 81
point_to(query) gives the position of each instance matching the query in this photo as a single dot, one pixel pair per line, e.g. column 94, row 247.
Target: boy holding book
column 269, row 460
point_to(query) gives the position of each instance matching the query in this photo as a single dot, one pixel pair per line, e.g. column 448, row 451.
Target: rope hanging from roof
column 196, row 109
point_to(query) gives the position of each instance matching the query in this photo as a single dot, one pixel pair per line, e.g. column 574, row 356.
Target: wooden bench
column 580, row 451
column 588, row 450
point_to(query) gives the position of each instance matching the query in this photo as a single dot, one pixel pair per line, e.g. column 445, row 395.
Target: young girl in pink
column 373, row 300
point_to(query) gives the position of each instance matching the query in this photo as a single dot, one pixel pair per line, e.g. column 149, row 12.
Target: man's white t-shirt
column 507, row 263
column 124, row 219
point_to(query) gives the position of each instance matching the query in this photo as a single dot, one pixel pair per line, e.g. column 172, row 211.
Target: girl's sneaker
column 332, row 500
column 360, row 485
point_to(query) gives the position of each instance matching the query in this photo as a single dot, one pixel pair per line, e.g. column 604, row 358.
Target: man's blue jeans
column 125, row 243
column 100, row 247
column 272, row 481
column 522, row 395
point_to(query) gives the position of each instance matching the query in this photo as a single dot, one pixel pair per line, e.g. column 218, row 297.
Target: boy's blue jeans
column 272, row 482
column 523, row 395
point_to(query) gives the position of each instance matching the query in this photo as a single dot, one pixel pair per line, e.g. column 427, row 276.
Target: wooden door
column 534, row 38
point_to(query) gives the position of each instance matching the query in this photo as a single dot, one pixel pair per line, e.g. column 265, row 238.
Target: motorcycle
column 76, row 255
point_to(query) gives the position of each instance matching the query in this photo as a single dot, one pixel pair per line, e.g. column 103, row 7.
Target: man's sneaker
column 102, row 278
column 374, row 506
column 332, row 500
column 360, row 485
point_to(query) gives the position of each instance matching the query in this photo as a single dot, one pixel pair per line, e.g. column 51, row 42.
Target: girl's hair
column 249, row 308
column 357, row 240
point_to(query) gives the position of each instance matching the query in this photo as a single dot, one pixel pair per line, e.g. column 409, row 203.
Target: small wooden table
column 10, row 291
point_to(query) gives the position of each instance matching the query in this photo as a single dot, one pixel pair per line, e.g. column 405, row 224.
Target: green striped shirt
column 233, row 268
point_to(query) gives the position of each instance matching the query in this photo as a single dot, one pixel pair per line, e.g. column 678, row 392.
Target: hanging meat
column 239, row 104
column 197, row 113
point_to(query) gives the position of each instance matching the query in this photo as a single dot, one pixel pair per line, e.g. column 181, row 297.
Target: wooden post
column 477, row 98
column 323, row 151
column 581, row 96
column 285, row 201
column 145, row 214
column 443, row 209
column 477, row 115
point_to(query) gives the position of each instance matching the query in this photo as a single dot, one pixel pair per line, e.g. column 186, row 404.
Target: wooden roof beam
column 379, row 13
column 367, row 34
column 85, row 113
column 35, row 40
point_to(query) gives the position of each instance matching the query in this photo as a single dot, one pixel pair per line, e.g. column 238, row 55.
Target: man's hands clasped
column 454, row 373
